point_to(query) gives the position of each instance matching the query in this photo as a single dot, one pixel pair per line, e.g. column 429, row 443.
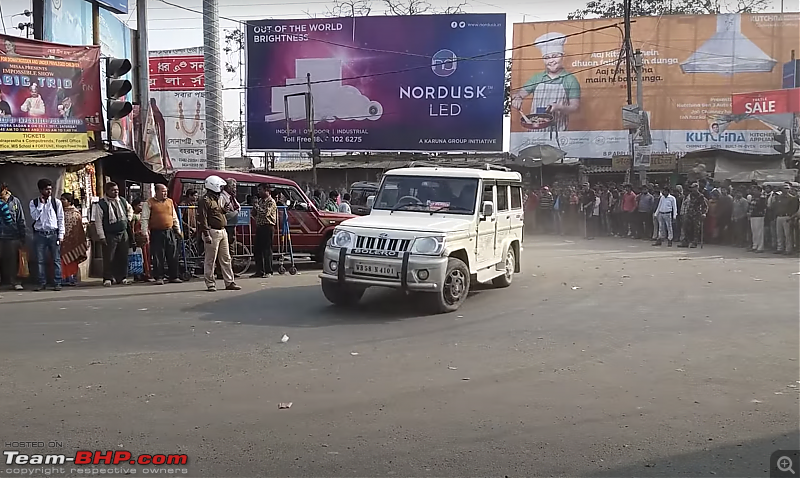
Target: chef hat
column 551, row 42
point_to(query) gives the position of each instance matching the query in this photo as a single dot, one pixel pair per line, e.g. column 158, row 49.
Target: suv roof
column 488, row 173
column 364, row 184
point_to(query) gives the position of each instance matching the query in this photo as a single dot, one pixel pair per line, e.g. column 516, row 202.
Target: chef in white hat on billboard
column 554, row 90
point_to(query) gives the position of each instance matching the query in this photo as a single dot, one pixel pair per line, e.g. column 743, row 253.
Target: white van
column 431, row 230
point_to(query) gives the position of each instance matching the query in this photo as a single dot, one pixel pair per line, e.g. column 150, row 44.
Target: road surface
column 604, row 358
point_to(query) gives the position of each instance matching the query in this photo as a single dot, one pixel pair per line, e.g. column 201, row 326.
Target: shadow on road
column 305, row 306
column 746, row 459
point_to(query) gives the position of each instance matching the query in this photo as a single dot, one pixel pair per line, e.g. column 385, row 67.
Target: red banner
column 88, row 105
column 177, row 73
column 773, row 102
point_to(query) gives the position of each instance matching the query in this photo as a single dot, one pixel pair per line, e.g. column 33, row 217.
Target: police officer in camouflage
column 696, row 211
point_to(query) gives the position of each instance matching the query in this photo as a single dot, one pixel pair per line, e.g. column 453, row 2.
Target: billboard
column 393, row 83
column 68, row 22
column 568, row 87
column 116, row 42
column 178, row 105
column 84, row 96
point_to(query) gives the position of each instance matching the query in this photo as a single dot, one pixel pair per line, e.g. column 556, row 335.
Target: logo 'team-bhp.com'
column 97, row 457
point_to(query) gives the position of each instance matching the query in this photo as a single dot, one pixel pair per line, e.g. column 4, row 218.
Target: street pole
column 142, row 65
column 215, row 155
column 310, row 116
column 627, row 50
column 99, row 175
column 637, row 61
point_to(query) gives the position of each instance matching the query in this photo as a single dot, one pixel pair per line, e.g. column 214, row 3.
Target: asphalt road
column 604, row 358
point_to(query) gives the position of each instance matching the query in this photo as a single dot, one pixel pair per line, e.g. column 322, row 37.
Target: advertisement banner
column 568, row 86
column 178, row 105
column 394, row 83
column 84, row 97
column 36, row 108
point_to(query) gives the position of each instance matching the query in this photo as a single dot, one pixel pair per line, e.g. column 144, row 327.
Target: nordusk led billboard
column 391, row 83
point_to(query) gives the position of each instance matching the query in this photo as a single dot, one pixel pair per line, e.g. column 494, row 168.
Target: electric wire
column 202, row 118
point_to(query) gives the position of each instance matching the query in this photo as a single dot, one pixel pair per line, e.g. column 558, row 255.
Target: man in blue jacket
column 12, row 235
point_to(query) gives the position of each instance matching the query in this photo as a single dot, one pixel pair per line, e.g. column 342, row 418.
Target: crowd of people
column 758, row 218
column 57, row 233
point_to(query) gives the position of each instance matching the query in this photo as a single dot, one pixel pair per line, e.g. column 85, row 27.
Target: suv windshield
column 428, row 194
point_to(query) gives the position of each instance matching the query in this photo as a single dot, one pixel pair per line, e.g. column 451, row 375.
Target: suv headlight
column 429, row 246
column 341, row 238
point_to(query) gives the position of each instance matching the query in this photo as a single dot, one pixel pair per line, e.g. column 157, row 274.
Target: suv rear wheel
column 342, row 295
column 510, row 266
column 455, row 287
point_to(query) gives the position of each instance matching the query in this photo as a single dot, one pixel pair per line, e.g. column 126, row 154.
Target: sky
column 170, row 27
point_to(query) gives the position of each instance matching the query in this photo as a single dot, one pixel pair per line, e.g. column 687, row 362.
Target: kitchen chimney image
column 729, row 52
column 331, row 99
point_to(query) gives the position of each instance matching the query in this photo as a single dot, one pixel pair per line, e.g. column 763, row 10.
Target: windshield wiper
column 403, row 205
column 450, row 207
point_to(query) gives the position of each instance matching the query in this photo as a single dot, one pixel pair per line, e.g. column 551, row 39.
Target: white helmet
column 215, row 184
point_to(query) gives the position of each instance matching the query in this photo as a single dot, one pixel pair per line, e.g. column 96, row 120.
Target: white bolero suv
column 433, row 231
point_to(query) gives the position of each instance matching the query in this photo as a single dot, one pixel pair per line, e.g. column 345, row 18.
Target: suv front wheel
column 342, row 295
column 455, row 287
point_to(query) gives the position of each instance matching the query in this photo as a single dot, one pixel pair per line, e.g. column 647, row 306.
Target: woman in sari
column 74, row 246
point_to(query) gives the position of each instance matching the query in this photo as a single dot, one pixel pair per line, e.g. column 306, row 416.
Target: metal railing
column 241, row 237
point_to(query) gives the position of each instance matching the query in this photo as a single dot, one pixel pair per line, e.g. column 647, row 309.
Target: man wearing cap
column 554, row 90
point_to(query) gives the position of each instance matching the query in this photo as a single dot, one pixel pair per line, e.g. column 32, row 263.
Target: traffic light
column 117, row 87
column 780, row 139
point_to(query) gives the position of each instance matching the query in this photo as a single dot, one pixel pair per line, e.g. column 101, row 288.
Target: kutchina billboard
column 393, row 83
column 567, row 90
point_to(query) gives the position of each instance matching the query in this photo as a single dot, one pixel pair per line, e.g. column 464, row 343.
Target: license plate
column 374, row 269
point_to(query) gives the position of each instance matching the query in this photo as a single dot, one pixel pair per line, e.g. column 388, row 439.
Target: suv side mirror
column 488, row 209
column 370, row 202
column 301, row 206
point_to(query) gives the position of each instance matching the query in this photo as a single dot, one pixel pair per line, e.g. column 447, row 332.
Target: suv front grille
column 382, row 244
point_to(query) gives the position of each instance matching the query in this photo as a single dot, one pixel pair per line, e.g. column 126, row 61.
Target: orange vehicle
column 309, row 227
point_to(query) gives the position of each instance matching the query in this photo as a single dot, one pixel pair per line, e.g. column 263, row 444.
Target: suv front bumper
column 407, row 271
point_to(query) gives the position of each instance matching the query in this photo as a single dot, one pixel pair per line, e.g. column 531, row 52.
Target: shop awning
column 54, row 159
